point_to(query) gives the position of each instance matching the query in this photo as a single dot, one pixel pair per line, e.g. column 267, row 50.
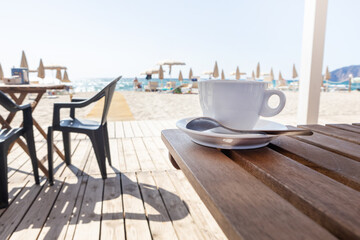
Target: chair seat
column 79, row 124
column 6, row 134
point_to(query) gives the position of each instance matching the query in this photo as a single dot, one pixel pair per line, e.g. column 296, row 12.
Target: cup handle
column 266, row 110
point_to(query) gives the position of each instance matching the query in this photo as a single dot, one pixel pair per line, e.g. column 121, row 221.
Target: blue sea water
column 126, row 84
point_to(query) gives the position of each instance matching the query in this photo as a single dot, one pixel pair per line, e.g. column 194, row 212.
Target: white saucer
column 226, row 140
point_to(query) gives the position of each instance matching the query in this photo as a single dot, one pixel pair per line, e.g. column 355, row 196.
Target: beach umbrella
column 237, row 74
column 161, row 75
column 66, row 77
column 253, row 75
column 222, row 75
column 327, row 74
column 170, row 64
column 41, row 70
column 350, row 80
column 24, row 63
column 216, row 71
column 58, row 74
column 271, row 74
column 258, row 70
column 1, row 73
column 294, row 72
column 190, row 74
column 181, row 77
column 281, row 80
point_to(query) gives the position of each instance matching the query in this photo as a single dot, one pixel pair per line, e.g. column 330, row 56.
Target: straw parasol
column 350, row 80
column 327, row 74
column 161, row 75
column 190, row 74
column 181, row 77
column 216, row 70
column 222, row 75
column 253, row 75
column 170, row 64
column 1, row 73
column 294, row 72
column 58, row 74
column 258, row 70
column 272, row 74
column 24, row 63
column 237, row 74
column 41, row 70
column 281, row 80
column 66, row 77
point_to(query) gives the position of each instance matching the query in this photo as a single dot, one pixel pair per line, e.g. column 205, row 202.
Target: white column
column 312, row 60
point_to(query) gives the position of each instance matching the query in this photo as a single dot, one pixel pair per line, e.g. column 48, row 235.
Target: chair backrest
column 153, row 85
column 107, row 92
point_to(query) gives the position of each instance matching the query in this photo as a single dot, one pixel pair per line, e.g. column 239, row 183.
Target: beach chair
column 152, row 86
column 8, row 136
column 96, row 131
column 170, row 85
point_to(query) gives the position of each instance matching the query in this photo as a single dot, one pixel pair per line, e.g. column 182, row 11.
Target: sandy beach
column 335, row 107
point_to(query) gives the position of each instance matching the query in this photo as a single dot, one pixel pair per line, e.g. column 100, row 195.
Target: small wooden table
column 303, row 187
column 23, row 91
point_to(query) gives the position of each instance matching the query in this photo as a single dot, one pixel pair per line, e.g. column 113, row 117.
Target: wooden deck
column 143, row 197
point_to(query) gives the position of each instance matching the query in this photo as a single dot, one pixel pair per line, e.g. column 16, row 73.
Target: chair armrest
column 72, row 106
column 78, row 99
column 9, row 104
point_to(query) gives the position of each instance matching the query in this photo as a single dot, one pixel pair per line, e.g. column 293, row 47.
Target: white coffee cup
column 238, row 104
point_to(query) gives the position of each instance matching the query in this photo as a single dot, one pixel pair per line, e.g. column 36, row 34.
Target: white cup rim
column 232, row 81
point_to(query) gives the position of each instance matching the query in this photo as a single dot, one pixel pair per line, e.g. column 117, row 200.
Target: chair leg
column 4, row 195
column 107, row 144
column 29, row 137
column 97, row 141
column 67, row 147
column 50, row 148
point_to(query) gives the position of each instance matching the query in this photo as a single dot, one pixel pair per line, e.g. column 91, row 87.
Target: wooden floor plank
column 128, row 132
column 136, row 224
column 121, row 158
column 183, row 223
column 119, row 130
column 201, row 215
column 88, row 225
column 111, row 129
column 114, row 152
column 56, row 224
column 327, row 202
column 112, row 223
column 33, row 221
column 160, row 162
column 71, row 227
column 159, row 220
column 136, row 129
column 333, row 165
column 145, row 129
column 150, row 125
column 143, row 156
column 132, row 163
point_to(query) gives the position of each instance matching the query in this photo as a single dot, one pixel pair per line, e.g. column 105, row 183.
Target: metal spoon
column 206, row 123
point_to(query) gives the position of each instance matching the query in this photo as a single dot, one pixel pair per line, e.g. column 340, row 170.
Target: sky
column 109, row 38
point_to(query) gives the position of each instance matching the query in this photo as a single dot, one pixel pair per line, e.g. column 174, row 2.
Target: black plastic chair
column 97, row 131
column 8, row 136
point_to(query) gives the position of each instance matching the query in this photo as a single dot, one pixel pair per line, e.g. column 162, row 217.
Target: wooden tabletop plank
column 334, row 132
column 331, row 204
column 342, row 147
column 351, row 128
column 243, row 206
column 33, row 88
column 336, row 166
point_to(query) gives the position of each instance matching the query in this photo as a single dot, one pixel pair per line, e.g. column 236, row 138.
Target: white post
column 312, row 60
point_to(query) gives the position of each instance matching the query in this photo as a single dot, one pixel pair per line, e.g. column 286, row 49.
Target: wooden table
column 304, row 187
column 18, row 93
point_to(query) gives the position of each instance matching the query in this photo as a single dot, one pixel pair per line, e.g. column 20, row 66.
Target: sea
column 126, row 84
